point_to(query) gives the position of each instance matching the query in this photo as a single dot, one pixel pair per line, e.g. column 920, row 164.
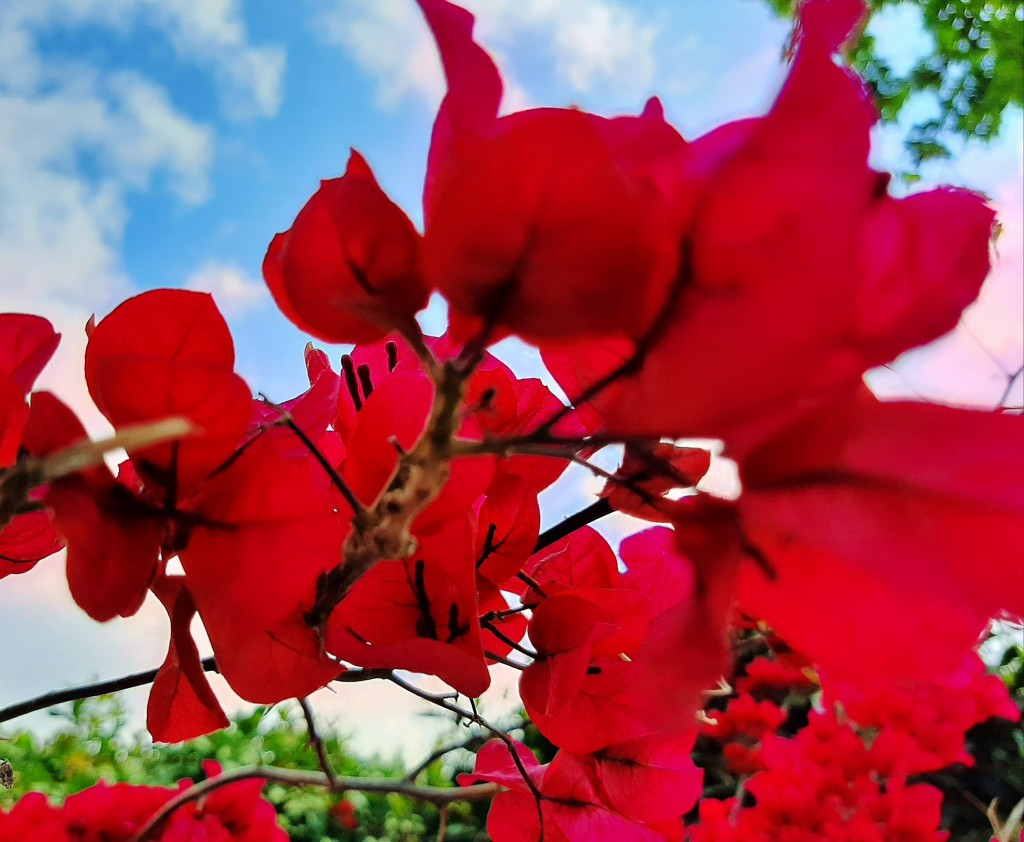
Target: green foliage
column 92, row 744
column 974, row 71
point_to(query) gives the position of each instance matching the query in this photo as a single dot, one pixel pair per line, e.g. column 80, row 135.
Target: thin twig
column 508, row 641
column 85, row 691
column 594, row 511
column 439, row 796
column 501, row 659
column 138, row 679
column 474, row 743
column 317, row 742
column 444, row 701
column 339, row 483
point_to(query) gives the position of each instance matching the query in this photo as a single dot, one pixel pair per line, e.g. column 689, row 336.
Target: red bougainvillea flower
column 110, row 813
column 550, row 223
column 636, row 791
column 418, row 613
column 169, row 353
column 846, row 512
column 921, row 725
column 253, row 526
column 823, row 785
column 181, row 702
column 26, row 345
column 500, row 404
column 265, row 531
column 348, row 269
column 33, row 817
column 601, row 676
column 253, row 539
column 113, row 535
column 798, row 271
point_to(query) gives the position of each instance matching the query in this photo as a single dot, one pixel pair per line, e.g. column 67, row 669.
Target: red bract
column 33, row 817
column 348, row 269
column 113, row 535
column 419, row 613
column 647, row 475
column 396, row 412
column 602, row 679
column 265, row 532
column 165, row 353
column 499, row 404
column 652, row 780
column 25, row 540
column 508, row 526
column 798, row 272
column 569, row 798
column 181, row 703
column 549, row 223
column 26, row 345
column 845, row 513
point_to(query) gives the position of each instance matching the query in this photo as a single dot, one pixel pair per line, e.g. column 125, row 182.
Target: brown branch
column 317, row 742
column 138, row 679
column 474, row 743
column 594, row 511
column 85, row 691
column 381, row 532
column 438, row 796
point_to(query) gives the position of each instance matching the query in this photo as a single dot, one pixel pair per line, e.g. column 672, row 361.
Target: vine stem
column 138, row 679
column 438, row 796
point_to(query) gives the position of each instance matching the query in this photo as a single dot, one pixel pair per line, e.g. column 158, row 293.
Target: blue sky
column 149, row 143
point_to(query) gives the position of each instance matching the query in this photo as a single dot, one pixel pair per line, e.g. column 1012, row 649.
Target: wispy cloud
column 587, row 44
column 210, row 34
column 235, row 291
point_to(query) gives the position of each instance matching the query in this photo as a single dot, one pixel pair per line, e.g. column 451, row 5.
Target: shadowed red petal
column 181, row 704
column 26, row 345
column 870, row 501
column 25, row 540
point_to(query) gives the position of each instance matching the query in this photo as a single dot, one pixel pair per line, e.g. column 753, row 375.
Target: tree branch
column 85, row 691
column 594, row 511
column 439, row 796
column 138, row 679
column 317, row 742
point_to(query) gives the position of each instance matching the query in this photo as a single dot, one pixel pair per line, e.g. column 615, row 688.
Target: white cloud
column 589, row 44
column 210, row 34
column 234, row 290
column 389, row 40
column 594, row 44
